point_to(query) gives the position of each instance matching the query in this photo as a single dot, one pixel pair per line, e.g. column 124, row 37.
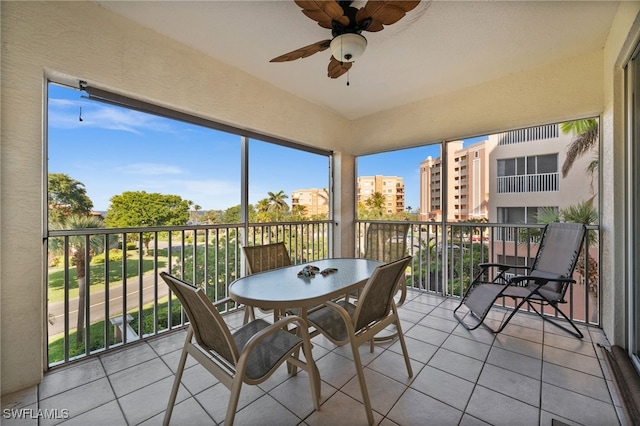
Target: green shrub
column 55, row 261
column 114, row 255
column 130, row 245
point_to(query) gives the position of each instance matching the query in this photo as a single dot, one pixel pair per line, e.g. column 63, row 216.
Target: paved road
column 98, row 305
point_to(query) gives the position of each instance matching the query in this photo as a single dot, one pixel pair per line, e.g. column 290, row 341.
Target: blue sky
column 113, row 150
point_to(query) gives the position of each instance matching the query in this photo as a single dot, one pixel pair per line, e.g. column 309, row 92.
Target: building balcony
column 542, row 182
column 531, row 373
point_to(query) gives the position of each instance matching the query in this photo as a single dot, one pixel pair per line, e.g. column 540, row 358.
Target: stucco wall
column 623, row 37
column 547, row 94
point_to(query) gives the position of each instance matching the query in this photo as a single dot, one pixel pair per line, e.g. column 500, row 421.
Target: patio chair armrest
column 222, row 301
column 226, row 300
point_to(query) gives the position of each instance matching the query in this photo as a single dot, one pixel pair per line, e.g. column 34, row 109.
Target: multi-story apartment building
column 467, row 183
column 315, row 201
column 507, row 178
column 525, row 174
column 392, row 187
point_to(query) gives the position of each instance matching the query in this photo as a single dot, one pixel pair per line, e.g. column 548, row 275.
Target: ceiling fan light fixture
column 348, row 47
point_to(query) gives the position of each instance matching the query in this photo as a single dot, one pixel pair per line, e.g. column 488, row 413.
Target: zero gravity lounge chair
column 545, row 283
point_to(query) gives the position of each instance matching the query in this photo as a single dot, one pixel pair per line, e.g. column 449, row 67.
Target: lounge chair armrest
column 502, row 266
column 516, row 280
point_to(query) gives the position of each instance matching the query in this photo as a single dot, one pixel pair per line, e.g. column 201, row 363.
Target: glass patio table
column 281, row 289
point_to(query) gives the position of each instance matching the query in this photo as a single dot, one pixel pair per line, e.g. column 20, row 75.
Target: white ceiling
column 440, row 46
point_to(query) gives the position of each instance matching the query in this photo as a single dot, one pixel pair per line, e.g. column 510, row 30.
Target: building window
column 521, row 214
column 536, row 173
column 517, row 215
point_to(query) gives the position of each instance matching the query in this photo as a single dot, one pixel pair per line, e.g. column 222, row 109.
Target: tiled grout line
column 415, row 374
column 593, row 338
column 464, row 411
column 117, row 400
column 475, row 384
column 173, row 375
column 214, row 379
column 541, row 373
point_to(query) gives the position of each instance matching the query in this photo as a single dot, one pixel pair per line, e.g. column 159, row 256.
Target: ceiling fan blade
column 303, row 52
column 323, row 12
column 337, row 68
column 384, row 12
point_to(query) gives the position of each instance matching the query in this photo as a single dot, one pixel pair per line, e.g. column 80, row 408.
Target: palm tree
column 79, row 251
column 277, row 203
column 585, row 139
column 585, row 213
column 376, row 203
column 324, row 193
column 263, row 205
column 299, row 211
column 586, row 265
column 196, row 207
column 66, row 196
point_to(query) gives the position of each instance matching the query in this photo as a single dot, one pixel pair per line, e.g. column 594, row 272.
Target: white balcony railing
column 542, row 182
column 119, row 298
column 123, row 300
column 446, row 258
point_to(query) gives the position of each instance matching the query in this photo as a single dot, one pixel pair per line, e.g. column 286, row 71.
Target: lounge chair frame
column 545, row 283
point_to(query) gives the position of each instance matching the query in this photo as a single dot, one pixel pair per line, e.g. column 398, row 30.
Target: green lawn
column 96, row 275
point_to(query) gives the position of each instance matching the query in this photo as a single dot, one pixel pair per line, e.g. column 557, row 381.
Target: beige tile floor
column 530, row 374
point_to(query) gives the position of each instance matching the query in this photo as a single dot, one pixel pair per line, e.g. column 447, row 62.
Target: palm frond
column 581, row 144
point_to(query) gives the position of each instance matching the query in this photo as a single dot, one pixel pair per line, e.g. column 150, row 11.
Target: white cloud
column 65, row 114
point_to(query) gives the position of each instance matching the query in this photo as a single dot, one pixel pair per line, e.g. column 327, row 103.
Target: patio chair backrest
column 386, row 242
column 266, row 257
column 558, row 253
column 209, row 328
column 377, row 295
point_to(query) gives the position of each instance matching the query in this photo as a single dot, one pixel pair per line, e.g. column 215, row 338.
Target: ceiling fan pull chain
column 347, row 77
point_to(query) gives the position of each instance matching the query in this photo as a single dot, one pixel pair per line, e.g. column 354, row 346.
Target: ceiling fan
column 346, row 24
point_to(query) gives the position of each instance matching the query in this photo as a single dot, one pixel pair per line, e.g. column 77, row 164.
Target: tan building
column 467, row 183
column 525, row 177
column 392, row 187
column 315, row 201
column 520, row 169
column 525, row 174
